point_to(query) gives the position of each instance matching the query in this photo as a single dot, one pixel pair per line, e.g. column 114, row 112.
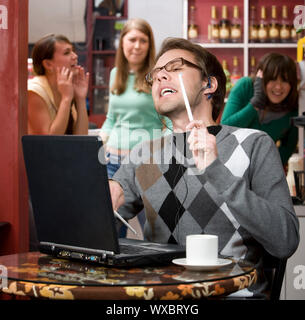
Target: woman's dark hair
column 44, row 49
column 209, row 64
column 274, row 65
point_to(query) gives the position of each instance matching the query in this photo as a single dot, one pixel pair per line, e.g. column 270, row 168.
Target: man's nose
column 162, row 75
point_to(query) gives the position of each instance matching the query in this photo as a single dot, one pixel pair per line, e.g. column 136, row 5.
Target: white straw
column 186, row 101
column 125, row 222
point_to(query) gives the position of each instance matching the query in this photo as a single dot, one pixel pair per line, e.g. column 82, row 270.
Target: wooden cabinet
column 103, row 30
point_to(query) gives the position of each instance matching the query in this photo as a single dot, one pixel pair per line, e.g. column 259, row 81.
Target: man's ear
column 211, row 86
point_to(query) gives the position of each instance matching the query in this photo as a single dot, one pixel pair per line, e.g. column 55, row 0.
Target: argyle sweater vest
column 240, row 197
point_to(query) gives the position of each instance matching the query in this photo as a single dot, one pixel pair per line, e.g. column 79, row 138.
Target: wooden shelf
column 105, row 32
column 222, row 45
column 249, row 45
column 272, row 45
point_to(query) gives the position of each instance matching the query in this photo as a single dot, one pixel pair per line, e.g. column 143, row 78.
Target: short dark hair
column 274, row 65
column 209, row 64
column 43, row 49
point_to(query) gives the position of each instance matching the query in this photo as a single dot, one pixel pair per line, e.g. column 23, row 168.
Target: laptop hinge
column 58, row 246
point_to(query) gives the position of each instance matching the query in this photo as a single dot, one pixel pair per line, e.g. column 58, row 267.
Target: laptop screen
column 69, row 191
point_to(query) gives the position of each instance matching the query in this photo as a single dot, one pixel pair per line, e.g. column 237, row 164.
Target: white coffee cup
column 201, row 249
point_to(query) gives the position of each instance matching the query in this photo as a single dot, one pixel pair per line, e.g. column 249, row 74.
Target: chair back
column 274, row 269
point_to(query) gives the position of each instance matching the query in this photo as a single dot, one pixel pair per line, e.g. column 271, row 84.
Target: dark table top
column 39, row 275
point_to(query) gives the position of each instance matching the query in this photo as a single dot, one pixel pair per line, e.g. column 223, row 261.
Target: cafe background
column 94, row 26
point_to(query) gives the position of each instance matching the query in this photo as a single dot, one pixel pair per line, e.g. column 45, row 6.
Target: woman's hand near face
column 259, row 100
column 80, row 83
column 259, row 74
column 64, row 83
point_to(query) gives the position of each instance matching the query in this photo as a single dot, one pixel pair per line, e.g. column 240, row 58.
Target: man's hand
column 202, row 144
column 117, row 194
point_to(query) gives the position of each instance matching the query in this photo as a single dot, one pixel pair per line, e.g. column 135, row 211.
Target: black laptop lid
column 69, row 191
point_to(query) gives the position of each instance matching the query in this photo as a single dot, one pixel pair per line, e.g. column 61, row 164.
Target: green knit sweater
column 239, row 112
column 132, row 117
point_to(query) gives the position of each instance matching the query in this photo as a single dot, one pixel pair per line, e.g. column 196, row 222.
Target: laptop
column 72, row 206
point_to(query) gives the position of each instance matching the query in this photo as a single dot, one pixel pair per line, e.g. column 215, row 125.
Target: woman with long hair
column 131, row 116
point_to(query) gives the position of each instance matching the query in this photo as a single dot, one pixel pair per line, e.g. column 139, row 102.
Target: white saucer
column 220, row 263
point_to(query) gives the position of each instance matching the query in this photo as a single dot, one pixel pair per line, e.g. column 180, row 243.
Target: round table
column 37, row 275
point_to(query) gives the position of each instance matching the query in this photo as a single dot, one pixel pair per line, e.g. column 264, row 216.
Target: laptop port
column 64, row 253
column 77, row 255
column 93, row 258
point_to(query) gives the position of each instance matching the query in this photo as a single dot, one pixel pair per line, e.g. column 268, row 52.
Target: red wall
column 13, row 115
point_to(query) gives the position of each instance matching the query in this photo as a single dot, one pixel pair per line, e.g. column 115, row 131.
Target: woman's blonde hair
column 121, row 63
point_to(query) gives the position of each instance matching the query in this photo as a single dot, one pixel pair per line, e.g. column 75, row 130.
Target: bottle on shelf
column 293, row 34
column 99, row 71
column 193, row 27
column 253, row 26
column 224, row 26
column 263, row 26
column 285, row 27
column 228, row 76
column 214, row 26
column 236, row 26
column 235, row 74
column 274, row 29
column 252, row 70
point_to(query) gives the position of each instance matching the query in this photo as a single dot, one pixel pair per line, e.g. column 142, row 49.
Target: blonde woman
column 131, row 107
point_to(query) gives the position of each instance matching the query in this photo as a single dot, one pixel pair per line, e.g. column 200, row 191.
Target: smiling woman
column 57, row 94
column 267, row 102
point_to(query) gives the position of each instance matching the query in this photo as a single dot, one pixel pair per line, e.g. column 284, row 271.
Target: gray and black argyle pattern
column 188, row 204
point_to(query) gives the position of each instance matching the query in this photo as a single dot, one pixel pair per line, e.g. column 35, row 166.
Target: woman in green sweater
column 267, row 102
column 131, row 116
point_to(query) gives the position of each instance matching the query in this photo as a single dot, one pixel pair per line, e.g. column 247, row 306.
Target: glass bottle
column 263, row 26
column 228, row 76
column 274, row 30
column 252, row 67
column 224, row 26
column 193, row 27
column 285, row 28
column 236, row 26
column 253, row 27
column 214, row 27
column 235, row 74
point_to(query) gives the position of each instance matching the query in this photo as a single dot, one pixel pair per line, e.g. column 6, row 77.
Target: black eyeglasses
column 171, row 66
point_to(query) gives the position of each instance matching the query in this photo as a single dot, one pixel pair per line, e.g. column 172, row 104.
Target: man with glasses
column 206, row 178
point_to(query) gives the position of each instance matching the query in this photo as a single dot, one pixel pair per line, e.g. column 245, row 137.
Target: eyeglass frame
column 149, row 78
